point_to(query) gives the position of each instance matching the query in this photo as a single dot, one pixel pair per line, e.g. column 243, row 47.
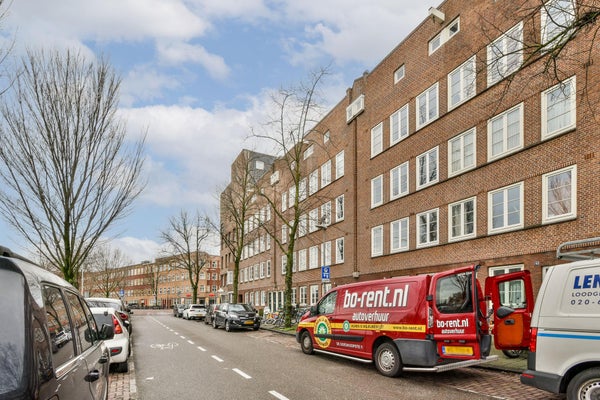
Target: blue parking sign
column 325, row 272
column 121, row 292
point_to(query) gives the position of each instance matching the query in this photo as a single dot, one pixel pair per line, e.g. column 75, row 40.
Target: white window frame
column 429, row 99
column 547, row 218
column 570, row 106
column 399, row 73
column 503, row 119
column 302, row 299
column 430, row 156
column 326, row 137
column 302, row 189
column 462, row 152
column 376, row 139
column 284, row 201
column 557, row 17
column 325, row 253
column 502, row 58
column 313, row 182
column 314, row 294
column 506, row 227
column 313, row 219
column 313, row 257
column 339, row 208
column 377, row 191
column 326, row 173
column 399, row 125
column 446, row 34
column 460, row 206
column 309, row 151
column 399, row 235
column 339, row 165
column 432, row 236
column 325, row 214
column 339, row 250
column 466, row 89
column 302, row 260
column 377, row 241
column 399, row 181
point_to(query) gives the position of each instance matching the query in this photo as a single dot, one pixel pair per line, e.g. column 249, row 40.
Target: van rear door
column 512, row 305
column 453, row 306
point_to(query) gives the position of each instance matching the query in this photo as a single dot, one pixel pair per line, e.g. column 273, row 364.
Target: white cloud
column 137, row 250
column 176, row 53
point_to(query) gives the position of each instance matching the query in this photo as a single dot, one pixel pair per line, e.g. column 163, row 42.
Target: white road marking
column 190, row 342
column 241, row 373
column 149, row 378
column 278, row 395
column 183, row 337
column 217, row 358
column 201, row 348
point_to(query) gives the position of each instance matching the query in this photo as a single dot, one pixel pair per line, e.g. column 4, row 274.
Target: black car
column 235, row 316
column 178, row 310
column 50, row 344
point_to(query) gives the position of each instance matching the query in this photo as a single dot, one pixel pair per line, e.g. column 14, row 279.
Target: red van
column 413, row 323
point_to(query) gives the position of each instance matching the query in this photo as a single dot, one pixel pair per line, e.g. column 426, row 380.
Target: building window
column 399, row 125
column 303, row 225
column 313, row 182
column 326, row 174
column 268, row 268
column 302, row 189
column 505, row 55
column 325, row 214
column 377, row 191
column 354, row 109
column 446, row 34
column 462, row 219
column 558, row 109
column 339, row 165
column 283, row 264
column 505, row 208
column 559, row 198
column 339, row 250
column 377, row 241
column 461, row 153
column 313, row 257
column 427, row 106
column 377, row 139
column 284, row 201
column 557, row 18
column 505, row 133
column 326, row 253
column 399, row 74
column 313, row 219
column 461, row 83
column 292, row 197
column 302, row 260
column 309, row 151
column 427, row 228
column 302, row 298
column 314, row 294
column 284, row 233
column 427, row 168
column 399, row 235
column 326, row 137
column 399, row 181
column 339, row 208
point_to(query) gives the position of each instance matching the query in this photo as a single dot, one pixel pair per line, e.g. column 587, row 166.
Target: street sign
column 121, row 293
column 325, row 273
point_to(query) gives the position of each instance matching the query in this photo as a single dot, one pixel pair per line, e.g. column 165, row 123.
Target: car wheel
column 256, row 327
column 306, row 343
column 122, row 367
column 214, row 323
column 585, row 385
column 387, row 360
column 227, row 326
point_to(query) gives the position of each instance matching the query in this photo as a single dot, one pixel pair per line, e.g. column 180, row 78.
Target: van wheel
column 227, row 326
column 585, row 385
column 306, row 343
column 387, row 360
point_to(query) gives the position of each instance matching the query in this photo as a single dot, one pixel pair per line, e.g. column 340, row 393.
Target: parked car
column 194, row 311
column 52, row 343
column 210, row 311
column 119, row 345
column 118, row 304
column 235, row 316
column 178, row 310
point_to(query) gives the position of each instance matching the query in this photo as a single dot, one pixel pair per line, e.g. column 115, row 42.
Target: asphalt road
column 178, row 359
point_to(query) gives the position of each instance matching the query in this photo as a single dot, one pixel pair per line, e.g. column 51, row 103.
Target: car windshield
column 12, row 345
column 104, row 303
column 240, row 307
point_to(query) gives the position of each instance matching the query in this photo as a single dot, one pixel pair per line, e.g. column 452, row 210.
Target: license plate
column 457, row 350
column 249, row 322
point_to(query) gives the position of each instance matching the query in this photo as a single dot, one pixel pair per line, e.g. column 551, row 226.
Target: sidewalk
column 122, row 386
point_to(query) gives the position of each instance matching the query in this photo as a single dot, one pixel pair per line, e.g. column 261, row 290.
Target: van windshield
column 12, row 328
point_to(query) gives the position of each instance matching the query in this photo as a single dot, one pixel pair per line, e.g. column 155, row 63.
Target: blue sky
column 197, row 76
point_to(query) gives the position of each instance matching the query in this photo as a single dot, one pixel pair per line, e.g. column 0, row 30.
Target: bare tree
column 104, row 263
column 67, row 168
column 153, row 279
column 298, row 111
column 185, row 238
column 238, row 204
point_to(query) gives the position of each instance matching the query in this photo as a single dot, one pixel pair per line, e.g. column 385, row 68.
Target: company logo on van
column 587, row 282
column 383, row 298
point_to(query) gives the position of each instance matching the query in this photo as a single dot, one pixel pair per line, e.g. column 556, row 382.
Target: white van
column 562, row 331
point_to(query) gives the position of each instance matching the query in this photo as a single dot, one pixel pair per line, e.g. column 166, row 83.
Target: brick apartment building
column 452, row 151
column 137, row 282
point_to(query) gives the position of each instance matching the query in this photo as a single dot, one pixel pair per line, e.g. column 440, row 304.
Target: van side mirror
column 107, row 332
column 313, row 310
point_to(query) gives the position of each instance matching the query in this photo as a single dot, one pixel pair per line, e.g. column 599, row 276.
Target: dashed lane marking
column 217, row 358
column 277, row 395
column 241, row 373
column 201, row 348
